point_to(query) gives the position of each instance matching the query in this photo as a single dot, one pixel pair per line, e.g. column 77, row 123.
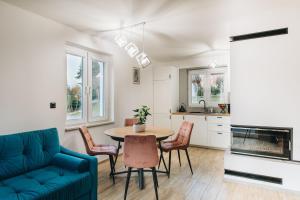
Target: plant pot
column 139, row 128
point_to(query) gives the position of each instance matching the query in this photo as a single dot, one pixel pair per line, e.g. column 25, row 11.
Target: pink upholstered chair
column 99, row 149
column 140, row 152
column 181, row 142
column 130, row 121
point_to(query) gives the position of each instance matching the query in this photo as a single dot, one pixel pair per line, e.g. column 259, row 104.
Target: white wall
column 219, row 57
column 265, row 72
column 33, row 74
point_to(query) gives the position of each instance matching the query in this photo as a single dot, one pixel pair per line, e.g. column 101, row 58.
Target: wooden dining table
column 118, row 134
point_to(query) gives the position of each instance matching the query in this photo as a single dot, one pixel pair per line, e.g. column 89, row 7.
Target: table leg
column 119, row 147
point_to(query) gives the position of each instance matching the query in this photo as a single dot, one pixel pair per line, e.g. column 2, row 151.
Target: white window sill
column 89, row 125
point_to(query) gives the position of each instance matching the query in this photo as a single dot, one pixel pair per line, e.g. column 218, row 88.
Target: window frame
column 88, row 57
column 83, row 54
column 103, row 59
column 207, row 89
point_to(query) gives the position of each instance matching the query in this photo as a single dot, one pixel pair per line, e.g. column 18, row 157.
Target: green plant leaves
column 142, row 113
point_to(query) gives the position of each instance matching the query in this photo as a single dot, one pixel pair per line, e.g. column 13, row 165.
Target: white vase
column 139, row 128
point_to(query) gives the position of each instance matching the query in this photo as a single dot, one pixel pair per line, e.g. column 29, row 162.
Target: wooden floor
column 207, row 182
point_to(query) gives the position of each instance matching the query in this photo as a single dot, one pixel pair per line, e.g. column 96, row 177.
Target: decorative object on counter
column 182, row 108
column 141, row 115
column 222, row 106
column 136, row 75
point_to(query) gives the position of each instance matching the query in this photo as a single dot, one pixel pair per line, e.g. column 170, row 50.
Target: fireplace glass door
column 262, row 141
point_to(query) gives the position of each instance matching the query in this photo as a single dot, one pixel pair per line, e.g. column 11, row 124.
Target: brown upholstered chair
column 140, row 152
column 181, row 142
column 130, row 121
column 99, row 149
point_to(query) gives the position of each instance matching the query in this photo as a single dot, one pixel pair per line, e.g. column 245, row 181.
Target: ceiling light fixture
column 142, row 58
column 121, row 40
column 131, row 48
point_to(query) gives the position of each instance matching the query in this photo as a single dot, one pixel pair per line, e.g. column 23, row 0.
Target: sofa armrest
column 70, row 162
column 93, row 168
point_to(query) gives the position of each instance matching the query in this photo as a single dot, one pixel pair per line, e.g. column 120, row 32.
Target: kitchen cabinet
column 199, row 134
column 218, row 131
column 208, row 131
column 165, row 95
column 162, row 120
column 176, row 122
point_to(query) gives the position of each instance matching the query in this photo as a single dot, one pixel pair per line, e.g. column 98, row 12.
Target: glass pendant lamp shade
column 132, row 49
column 143, row 60
column 121, row 40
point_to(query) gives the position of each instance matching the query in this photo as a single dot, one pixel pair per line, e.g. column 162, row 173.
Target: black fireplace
column 271, row 142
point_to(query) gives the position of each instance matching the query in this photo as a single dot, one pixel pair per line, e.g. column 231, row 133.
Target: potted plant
column 141, row 115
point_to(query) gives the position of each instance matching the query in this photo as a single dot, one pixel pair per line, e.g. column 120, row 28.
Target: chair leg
column 179, row 157
column 127, row 182
column 111, row 160
column 187, row 155
column 155, row 182
column 159, row 161
column 169, row 171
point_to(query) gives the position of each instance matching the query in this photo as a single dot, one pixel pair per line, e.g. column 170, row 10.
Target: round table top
column 160, row 133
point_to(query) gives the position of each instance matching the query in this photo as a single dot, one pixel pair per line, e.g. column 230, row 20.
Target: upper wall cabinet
column 210, row 85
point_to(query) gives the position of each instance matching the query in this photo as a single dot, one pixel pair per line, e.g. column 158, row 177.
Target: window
column 197, row 87
column 209, row 85
column 87, row 87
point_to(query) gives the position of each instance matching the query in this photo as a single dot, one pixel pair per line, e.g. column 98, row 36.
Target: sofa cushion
column 46, row 183
column 27, row 151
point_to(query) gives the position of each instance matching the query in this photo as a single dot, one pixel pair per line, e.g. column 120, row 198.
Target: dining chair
column 140, row 152
column 130, row 121
column 127, row 122
column 99, row 149
column 181, row 142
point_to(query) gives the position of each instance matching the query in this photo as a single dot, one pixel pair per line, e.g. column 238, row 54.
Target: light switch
column 52, row 105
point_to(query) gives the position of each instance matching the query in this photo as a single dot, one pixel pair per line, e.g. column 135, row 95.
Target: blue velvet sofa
column 34, row 166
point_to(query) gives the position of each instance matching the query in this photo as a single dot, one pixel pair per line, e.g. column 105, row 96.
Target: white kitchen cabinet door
column 162, row 120
column 176, row 121
column 199, row 134
column 162, row 73
column 219, row 139
column 162, row 97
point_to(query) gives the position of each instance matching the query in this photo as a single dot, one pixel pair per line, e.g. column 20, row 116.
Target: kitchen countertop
column 203, row 114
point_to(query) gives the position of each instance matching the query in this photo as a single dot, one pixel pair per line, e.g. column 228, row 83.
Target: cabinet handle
column 183, row 117
column 220, row 125
column 170, row 111
column 170, row 116
column 220, row 133
column 219, row 117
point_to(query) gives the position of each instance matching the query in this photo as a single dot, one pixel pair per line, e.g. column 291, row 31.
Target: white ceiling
column 175, row 29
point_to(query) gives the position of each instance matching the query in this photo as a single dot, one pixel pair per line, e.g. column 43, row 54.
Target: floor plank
column 206, row 184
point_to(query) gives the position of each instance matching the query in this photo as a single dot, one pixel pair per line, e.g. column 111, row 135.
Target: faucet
column 203, row 103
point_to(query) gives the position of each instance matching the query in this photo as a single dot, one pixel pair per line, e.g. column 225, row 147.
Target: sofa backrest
column 27, row 151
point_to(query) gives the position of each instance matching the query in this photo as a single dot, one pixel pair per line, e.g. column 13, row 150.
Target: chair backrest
column 140, row 151
column 184, row 134
column 23, row 152
column 87, row 138
column 130, row 121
